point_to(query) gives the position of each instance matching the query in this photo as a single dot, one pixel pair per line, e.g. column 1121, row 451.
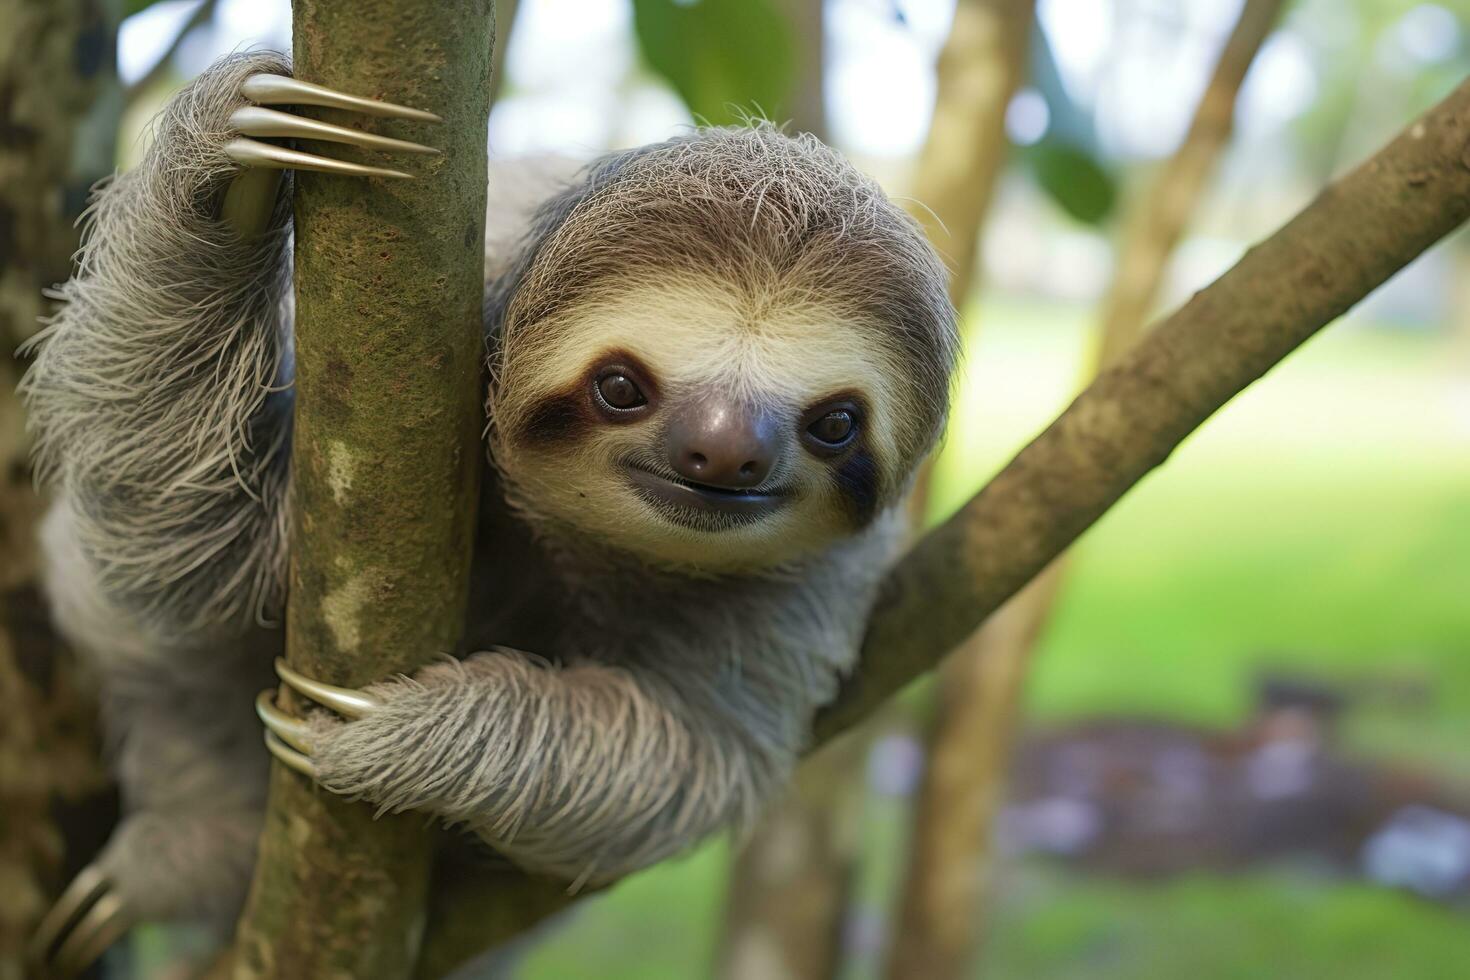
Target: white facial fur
column 693, row 338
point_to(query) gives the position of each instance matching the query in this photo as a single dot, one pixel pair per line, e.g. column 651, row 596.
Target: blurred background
column 1227, row 735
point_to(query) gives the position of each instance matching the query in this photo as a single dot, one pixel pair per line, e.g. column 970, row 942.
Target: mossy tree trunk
column 386, row 462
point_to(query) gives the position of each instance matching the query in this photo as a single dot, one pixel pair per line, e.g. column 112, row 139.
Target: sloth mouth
column 700, row 505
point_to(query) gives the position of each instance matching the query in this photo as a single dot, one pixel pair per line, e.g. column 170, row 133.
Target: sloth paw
column 250, row 199
column 88, row 917
column 256, row 120
column 160, row 866
column 290, row 739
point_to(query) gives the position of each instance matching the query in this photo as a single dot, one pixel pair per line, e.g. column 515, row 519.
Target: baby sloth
column 713, row 364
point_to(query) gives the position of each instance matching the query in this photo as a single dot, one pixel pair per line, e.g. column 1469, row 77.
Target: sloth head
column 721, row 352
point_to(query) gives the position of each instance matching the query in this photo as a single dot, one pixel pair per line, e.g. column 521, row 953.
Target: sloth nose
column 723, row 443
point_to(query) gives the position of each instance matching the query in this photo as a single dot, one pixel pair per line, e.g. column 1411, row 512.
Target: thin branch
column 1157, row 223
column 1354, row 236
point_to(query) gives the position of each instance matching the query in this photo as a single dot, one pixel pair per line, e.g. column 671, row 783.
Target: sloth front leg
column 587, row 771
column 156, row 399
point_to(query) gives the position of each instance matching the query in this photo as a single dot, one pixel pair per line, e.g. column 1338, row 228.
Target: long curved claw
column 254, row 120
column 292, row 759
column 346, row 702
column 266, row 89
column 103, row 924
column 87, row 919
column 250, row 200
column 292, row 731
column 252, row 154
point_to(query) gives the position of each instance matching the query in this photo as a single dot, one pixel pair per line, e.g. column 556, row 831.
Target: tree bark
column 1159, row 219
column 980, row 687
column 56, row 806
column 1357, row 233
column 981, row 66
column 57, row 64
column 386, row 463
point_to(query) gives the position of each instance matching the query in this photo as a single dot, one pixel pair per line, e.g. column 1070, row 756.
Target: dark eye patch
column 859, row 480
column 557, row 418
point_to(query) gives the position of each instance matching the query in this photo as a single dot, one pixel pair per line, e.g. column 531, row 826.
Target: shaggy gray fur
column 150, row 396
column 653, row 707
column 674, row 708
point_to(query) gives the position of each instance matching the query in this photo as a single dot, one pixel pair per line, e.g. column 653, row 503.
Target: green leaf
column 725, row 58
column 1073, row 178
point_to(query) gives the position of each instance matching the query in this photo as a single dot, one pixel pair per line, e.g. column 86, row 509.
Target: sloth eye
column 833, row 429
column 617, row 390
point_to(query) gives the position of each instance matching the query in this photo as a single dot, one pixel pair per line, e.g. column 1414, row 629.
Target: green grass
column 1261, row 926
column 1320, row 523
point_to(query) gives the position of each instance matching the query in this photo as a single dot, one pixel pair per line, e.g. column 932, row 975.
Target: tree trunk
column 1359, row 231
column 981, row 67
column 56, row 806
column 386, row 460
column 942, row 915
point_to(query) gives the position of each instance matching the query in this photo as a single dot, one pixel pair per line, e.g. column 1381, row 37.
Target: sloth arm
column 151, row 395
column 588, row 771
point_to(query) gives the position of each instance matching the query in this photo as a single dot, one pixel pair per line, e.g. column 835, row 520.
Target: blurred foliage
column 1363, row 71
column 1066, row 164
column 727, row 59
column 1072, row 177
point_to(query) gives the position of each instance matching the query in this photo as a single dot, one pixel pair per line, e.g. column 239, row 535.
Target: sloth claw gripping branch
column 289, row 738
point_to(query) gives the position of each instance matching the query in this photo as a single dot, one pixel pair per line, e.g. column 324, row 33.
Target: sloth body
column 713, row 365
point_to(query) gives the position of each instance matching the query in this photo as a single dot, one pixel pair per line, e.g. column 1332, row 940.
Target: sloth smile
column 700, row 504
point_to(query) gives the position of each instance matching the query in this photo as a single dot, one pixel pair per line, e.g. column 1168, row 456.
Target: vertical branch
column 980, row 68
column 1157, row 222
column 791, row 882
column 981, row 687
column 385, row 463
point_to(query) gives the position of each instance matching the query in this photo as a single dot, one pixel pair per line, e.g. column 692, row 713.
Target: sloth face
column 697, row 427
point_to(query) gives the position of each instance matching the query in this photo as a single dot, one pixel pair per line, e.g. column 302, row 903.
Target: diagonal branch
column 1360, row 231
column 1357, row 233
